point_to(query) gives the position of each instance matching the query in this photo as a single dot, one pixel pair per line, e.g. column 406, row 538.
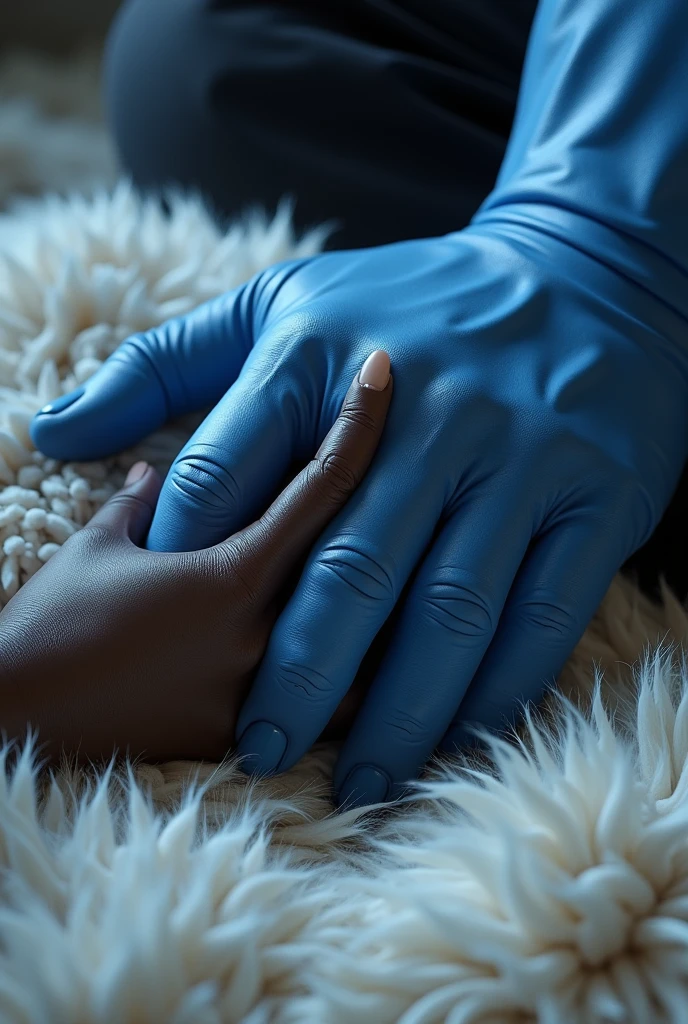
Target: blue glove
column 539, row 423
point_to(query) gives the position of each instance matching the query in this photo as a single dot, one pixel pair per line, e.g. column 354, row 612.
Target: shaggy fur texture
column 76, row 279
column 549, row 885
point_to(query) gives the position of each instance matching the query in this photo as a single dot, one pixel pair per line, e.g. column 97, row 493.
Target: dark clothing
column 389, row 117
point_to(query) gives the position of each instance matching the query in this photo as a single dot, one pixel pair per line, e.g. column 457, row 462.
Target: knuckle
column 278, row 292
column 362, row 573
column 485, row 418
column 136, row 350
column 148, row 354
column 199, row 475
column 458, row 608
column 354, row 413
column 304, row 683
column 129, row 501
column 405, row 728
column 549, row 616
column 338, row 475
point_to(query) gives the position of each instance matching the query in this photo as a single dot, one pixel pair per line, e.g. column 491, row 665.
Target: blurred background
column 54, row 26
column 52, row 136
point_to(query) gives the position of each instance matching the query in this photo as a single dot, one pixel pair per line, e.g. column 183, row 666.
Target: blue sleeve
column 598, row 155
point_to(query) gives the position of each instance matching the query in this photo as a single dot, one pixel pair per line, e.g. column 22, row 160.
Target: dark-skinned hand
column 114, row 648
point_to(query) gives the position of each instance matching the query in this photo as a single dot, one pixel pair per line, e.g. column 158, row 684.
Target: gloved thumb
column 128, row 513
column 179, row 367
column 113, row 410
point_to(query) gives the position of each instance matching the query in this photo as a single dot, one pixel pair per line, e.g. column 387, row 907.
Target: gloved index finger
column 270, row 548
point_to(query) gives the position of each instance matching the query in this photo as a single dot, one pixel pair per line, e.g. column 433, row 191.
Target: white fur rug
column 550, row 886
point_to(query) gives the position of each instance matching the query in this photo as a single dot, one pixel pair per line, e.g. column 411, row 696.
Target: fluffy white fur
column 550, row 885
column 76, row 278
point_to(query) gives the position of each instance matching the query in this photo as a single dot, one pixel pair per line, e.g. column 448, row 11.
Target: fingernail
column 63, row 402
column 363, row 785
column 135, row 473
column 262, row 747
column 375, row 371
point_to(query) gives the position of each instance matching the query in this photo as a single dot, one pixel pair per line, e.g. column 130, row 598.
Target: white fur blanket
column 551, row 886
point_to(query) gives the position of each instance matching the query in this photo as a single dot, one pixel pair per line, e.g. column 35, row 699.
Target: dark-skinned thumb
column 129, row 512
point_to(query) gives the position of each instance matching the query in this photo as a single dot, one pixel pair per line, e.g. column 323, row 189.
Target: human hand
column 534, row 440
column 540, row 421
column 109, row 645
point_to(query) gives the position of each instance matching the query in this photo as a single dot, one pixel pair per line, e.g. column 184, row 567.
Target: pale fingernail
column 375, row 371
column 135, row 473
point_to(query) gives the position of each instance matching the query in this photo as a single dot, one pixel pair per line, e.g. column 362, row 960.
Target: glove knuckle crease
column 360, row 572
column 142, row 353
column 550, row 617
column 459, row 609
column 304, row 682
column 405, row 727
column 205, row 481
column 135, row 347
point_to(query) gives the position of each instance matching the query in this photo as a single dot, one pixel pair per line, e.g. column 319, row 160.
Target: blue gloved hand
column 538, row 429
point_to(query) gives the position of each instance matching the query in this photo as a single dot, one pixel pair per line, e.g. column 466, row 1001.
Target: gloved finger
column 347, row 590
column 273, row 546
column 448, row 620
column 176, row 368
column 128, row 513
column 556, row 593
column 230, row 468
